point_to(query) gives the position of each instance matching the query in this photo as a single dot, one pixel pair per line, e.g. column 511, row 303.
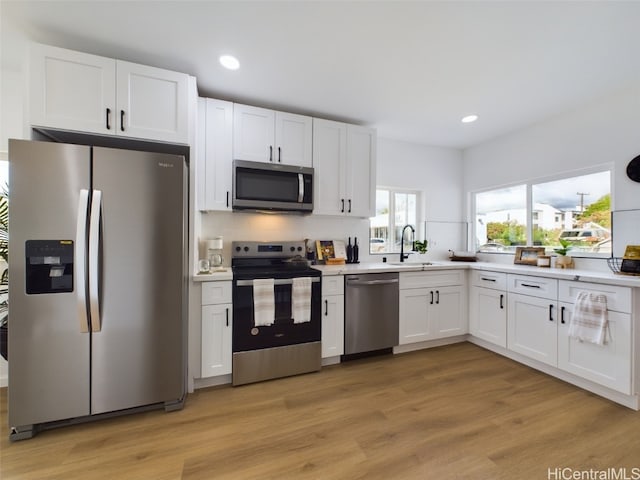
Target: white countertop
column 227, row 274
column 609, row 278
column 378, row 267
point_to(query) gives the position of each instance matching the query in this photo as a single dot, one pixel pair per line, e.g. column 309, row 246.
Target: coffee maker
column 214, row 254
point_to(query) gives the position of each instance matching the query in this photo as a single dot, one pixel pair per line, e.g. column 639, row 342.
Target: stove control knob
column 237, row 249
column 246, row 249
column 299, row 249
column 293, row 249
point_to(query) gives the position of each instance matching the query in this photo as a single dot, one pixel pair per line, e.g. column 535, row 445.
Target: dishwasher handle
column 371, row 282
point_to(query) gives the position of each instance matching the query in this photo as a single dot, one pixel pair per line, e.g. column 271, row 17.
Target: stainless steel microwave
column 268, row 186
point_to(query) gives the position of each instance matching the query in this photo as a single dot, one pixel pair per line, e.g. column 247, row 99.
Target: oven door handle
column 277, row 281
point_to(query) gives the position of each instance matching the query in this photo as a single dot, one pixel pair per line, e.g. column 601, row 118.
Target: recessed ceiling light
column 469, row 118
column 230, row 62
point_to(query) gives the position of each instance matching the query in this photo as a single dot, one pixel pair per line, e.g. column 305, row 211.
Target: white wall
column 437, row 173
column 605, row 131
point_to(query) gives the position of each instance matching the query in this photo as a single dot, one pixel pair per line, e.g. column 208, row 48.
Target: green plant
column 420, row 247
column 566, row 246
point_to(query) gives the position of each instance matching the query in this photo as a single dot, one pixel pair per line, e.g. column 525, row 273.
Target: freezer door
column 48, row 353
column 138, row 344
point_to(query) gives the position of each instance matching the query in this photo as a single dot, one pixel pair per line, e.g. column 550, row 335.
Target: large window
column 575, row 209
column 394, row 209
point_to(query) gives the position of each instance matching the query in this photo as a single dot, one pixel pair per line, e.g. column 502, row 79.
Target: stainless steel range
column 272, row 284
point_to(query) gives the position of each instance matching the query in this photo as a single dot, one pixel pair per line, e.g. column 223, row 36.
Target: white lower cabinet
column 217, row 317
column 488, row 315
column 488, row 306
column 432, row 305
column 532, row 327
column 332, row 316
column 609, row 364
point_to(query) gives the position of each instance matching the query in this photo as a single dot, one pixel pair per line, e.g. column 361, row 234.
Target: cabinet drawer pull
column 488, row 279
column 122, row 120
column 349, row 205
column 108, row 119
column 342, row 209
column 502, row 301
column 431, row 302
column 562, row 314
column 551, row 313
column 529, row 285
column 437, row 297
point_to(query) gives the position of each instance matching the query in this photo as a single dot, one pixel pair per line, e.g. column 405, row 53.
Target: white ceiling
column 410, row 69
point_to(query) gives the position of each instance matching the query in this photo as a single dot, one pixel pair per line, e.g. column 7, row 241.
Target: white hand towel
column 589, row 321
column 264, row 307
column 301, row 300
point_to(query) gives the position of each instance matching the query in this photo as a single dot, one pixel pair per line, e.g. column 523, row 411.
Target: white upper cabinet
column 263, row 135
column 214, row 154
column 72, row 90
column 344, row 162
column 329, row 164
column 152, row 103
column 360, row 190
column 77, row 91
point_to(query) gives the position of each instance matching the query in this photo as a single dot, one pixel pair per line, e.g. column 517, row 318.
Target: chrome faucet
column 403, row 255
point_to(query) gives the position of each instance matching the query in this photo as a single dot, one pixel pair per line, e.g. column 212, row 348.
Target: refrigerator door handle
column 94, row 257
column 81, row 260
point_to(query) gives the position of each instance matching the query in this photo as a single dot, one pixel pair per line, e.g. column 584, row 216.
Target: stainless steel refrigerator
column 97, row 272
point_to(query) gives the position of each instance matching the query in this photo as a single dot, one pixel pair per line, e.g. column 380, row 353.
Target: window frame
column 605, row 167
column 392, row 223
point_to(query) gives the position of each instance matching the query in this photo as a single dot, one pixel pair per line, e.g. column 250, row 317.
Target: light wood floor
column 452, row 412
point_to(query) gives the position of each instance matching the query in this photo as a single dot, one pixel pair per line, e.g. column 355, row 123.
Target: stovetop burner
column 270, row 260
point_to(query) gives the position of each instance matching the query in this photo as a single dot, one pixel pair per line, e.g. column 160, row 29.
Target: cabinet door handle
column 551, row 313
column 108, row 119
column 349, row 205
column 431, row 302
column 502, row 301
column 122, row 120
column 488, row 279
column 530, row 286
column 326, row 308
column 279, row 155
column 437, row 297
column 562, row 314
column 227, row 198
column 227, row 311
column 271, row 153
column 342, row 209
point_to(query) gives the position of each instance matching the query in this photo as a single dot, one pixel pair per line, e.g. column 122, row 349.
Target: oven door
column 246, row 336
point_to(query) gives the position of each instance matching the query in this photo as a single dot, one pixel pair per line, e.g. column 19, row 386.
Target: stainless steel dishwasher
column 371, row 312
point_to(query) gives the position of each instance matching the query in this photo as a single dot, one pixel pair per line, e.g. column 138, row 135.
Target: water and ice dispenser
column 49, row 266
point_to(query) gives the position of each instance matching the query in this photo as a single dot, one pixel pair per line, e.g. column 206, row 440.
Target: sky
column 562, row 194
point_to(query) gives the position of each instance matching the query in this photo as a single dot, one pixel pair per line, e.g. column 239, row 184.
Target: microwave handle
column 300, row 188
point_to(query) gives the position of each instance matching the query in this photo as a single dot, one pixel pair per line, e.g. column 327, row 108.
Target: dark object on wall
column 4, row 336
column 633, row 169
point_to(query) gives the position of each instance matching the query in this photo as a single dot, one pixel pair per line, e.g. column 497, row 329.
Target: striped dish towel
column 264, row 307
column 301, row 300
column 589, row 322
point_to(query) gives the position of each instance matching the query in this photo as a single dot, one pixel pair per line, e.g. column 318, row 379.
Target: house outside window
column 576, row 209
column 395, row 208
